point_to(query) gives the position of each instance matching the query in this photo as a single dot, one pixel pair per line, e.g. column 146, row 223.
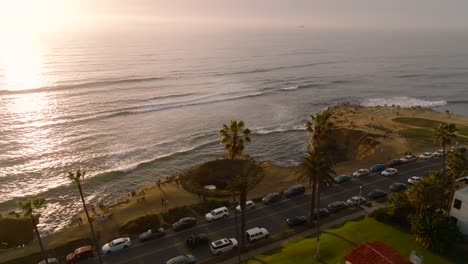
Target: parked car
column 361, row 172
column 461, row 149
column 272, row 198
column 376, row 194
column 116, row 245
column 223, row 245
column 393, row 162
column 151, row 234
column 297, row 220
column 183, row 259
column 425, row 156
column 80, row 254
column 50, row 261
column 377, row 168
column 194, row 240
column 249, row 205
column 184, row 223
column 398, row 187
column 408, row 159
column 337, row 206
column 438, row 153
column 342, row 178
column 294, row 191
column 216, row 214
column 414, row 179
column 356, row 200
column 256, row 233
column 389, row 172
column 323, row 213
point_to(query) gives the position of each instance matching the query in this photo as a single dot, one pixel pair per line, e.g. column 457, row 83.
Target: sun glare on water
column 21, row 23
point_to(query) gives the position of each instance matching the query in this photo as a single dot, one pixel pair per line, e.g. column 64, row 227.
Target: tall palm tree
column 28, row 207
column 456, row 164
column 76, row 178
column 443, row 135
column 317, row 127
column 234, row 137
column 240, row 185
column 318, row 167
column 427, row 194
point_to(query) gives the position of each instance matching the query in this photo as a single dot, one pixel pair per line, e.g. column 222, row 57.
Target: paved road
column 271, row 217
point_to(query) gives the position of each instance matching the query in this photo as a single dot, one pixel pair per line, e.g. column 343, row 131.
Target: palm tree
column 428, row 194
column 456, row 164
column 317, row 127
column 443, row 135
column 234, row 137
column 27, row 207
column 240, row 185
column 318, row 168
column 76, row 178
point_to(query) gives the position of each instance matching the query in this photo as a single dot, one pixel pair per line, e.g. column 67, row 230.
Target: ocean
column 132, row 107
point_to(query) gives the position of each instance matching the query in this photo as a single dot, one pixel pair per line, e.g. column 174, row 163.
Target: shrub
column 140, row 225
column 175, row 214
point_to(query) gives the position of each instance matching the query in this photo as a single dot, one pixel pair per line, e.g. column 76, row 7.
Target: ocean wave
column 402, row 101
column 154, row 108
column 266, row 131
column 277, row 68
column 80, row 85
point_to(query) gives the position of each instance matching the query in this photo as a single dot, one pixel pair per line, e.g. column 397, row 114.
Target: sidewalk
column 277, row 244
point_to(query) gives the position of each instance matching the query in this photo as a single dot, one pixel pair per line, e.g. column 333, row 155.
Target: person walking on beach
column 162, row 201
column 159, row 183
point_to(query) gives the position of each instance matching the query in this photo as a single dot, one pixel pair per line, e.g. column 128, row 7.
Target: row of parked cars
column 227, row 244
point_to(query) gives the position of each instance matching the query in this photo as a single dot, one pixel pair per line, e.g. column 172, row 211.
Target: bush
column 175, row 214
column 16, row 231
column 140, row 225
column 380, row 215
column 202, row 208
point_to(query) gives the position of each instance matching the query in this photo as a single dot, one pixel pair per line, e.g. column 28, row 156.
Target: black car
column 195, row 240
column 184, row 223
column 271, row 198
column 377, row 194
column 151, row 234
column 337, row 206
column 461, row 149
column 297, row 220
column 393, row 163
column 323, row 212
column 342, row 178
column 398, row 187
column 294, row 191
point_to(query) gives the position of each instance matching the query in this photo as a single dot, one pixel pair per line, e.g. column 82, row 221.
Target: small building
column 375, row 252
column 459, row 210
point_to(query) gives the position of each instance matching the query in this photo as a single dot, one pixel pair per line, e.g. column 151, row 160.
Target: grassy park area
column 336, row 243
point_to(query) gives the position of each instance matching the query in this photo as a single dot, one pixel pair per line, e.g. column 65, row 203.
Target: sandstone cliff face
column 351, row 144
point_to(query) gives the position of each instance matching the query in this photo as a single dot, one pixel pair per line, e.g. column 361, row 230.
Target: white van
column 223, row 245
column 216, row 214
column 256, row 233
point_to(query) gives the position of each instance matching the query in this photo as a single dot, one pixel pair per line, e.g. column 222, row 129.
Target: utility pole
column 237, row 229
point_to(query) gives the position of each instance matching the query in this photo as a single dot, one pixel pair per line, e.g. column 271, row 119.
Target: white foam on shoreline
column 402, row 101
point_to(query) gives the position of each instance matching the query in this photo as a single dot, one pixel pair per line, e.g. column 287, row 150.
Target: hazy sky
column 320, row 14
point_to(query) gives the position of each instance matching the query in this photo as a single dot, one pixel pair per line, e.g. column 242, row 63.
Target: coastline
column 368, row 135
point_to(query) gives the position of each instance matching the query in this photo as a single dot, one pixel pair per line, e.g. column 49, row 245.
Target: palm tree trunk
column 312, row 204
column 237, row 229
column 242, row 200
column 317, row 256
column 90, row 224
column 443, row 163
column 44, row 255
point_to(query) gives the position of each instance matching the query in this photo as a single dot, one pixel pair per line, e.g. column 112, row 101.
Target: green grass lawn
column 428, row 124
column 336, row 243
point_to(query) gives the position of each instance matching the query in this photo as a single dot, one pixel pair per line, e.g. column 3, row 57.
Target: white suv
column 216, row 214
column 223, row 245
column 256, row 233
